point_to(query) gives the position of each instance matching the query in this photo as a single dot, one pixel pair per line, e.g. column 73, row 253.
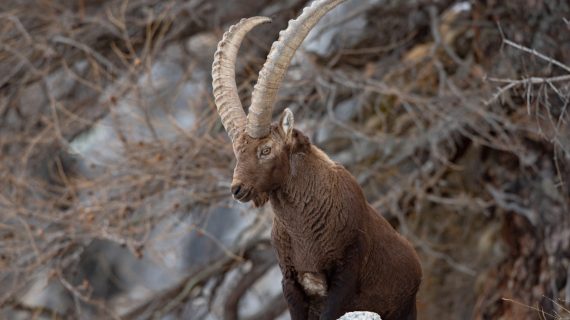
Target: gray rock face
column 360, row 315
column 334, row 30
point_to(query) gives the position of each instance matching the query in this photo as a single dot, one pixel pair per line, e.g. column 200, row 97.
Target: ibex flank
column 336, row 253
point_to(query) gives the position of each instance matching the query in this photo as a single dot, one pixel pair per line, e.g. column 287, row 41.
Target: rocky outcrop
column 360, row 315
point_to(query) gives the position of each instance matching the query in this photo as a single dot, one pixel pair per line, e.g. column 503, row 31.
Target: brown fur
column 327, row 237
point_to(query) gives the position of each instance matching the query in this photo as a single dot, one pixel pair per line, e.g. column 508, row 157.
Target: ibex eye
column 265, row 151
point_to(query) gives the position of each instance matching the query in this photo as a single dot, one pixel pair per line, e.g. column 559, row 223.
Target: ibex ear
column 286, row 122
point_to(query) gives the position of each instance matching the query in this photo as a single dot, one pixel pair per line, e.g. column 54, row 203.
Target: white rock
column 360, row 315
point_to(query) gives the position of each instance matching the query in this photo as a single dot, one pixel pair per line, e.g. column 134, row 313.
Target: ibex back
column 336, row 253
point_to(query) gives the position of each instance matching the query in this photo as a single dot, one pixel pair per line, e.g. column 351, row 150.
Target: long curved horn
column 223, row 76
column 274, row 69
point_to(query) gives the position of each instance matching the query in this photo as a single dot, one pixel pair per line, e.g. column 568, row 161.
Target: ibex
column 336, row 253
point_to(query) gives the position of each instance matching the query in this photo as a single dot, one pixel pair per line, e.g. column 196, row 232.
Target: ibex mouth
column 242, row 193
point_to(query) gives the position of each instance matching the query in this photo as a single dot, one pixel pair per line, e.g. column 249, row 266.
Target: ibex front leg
column 295, row 296
column 343, row 284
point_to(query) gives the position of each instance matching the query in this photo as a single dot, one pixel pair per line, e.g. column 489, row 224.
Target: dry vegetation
column 455, row 123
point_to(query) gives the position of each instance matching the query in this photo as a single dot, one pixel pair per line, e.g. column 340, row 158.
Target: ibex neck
column 309, row 185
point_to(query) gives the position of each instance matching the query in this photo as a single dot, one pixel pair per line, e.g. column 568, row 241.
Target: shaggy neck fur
column 301, row 204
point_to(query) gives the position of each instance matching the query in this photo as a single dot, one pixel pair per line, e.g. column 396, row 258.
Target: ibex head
column 262, row 150
column 263, row 164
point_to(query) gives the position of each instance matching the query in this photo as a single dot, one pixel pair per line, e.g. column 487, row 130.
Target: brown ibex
column 336, row 253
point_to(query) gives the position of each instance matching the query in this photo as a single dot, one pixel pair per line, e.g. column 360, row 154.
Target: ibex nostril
column 236, row 189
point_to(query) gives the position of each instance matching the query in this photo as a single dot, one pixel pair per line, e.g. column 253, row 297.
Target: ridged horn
column 223, row 76
column 275, row 68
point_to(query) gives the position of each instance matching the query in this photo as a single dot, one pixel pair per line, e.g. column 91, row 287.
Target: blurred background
column 115, row 169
